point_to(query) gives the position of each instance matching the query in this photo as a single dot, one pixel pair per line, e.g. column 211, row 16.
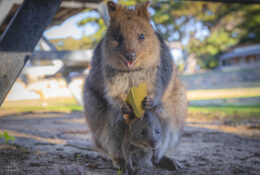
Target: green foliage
column 73, row 44
column 94, row 38
column 7, row 137
column 226, row 24
column 217, row 42
column 250, row 27
column 207, row 61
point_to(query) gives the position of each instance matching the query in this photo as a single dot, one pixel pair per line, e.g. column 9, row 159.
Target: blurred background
column 216, row 49
column 215, row 46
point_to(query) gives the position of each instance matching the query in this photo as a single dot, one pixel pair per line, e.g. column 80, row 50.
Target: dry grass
column 205, row 94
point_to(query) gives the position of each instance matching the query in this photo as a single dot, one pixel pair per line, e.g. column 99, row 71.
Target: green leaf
column 7, row 137
column 119, row 171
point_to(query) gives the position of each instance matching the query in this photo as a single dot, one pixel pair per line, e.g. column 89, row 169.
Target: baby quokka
column 142, row 137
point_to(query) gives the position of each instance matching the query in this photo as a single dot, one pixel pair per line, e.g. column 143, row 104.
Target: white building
column 241, row 57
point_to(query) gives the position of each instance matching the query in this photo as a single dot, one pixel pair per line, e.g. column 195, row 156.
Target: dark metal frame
column 228, row 1
column 20, row 38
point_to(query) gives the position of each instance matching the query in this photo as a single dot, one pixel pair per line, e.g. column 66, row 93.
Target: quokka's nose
column 130, row 56
column 153, row 143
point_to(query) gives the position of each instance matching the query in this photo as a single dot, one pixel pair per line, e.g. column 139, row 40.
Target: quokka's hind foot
column 129, row 169
column 118, row 163
column 155, row 160
column 169, row 163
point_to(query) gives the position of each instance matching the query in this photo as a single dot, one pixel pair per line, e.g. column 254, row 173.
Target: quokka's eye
column 157, row 131
column 141, row 37
column 119, row 38
column 143, row 132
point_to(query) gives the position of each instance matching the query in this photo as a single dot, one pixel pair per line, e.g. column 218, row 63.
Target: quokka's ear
column 142, row 10
column 112, row 8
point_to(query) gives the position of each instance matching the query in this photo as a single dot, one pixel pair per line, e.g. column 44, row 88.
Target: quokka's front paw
column 156, row 159
column 126, row 109
column 148, row 103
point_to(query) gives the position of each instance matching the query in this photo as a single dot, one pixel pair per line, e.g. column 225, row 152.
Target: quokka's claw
column 148, row 103
column 126, row 109
column 169, row 163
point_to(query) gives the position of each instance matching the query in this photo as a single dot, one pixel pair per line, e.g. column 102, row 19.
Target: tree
column 207, row 29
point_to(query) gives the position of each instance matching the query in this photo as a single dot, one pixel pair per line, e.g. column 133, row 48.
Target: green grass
column 45, row 109
column 119, row 171
column 50, row 105
column 227, row 113
column 220, row 113
column 7, row 137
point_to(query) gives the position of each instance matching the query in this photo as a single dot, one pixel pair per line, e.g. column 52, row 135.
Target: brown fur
column 110, row 80
column 130, row 24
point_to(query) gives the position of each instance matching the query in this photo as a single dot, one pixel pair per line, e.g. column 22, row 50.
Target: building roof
column 67, row 9
column 241, row 51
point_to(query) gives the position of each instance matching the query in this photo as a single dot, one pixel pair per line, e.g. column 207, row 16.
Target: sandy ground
column 59, row 143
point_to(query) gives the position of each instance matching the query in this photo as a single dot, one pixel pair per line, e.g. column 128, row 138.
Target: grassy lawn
column 227, row 114
column 47, row 105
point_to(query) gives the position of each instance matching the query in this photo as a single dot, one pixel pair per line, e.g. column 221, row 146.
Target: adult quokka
column 130, row 53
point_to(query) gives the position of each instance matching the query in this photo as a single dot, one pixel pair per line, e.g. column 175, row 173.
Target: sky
column 69, row 27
